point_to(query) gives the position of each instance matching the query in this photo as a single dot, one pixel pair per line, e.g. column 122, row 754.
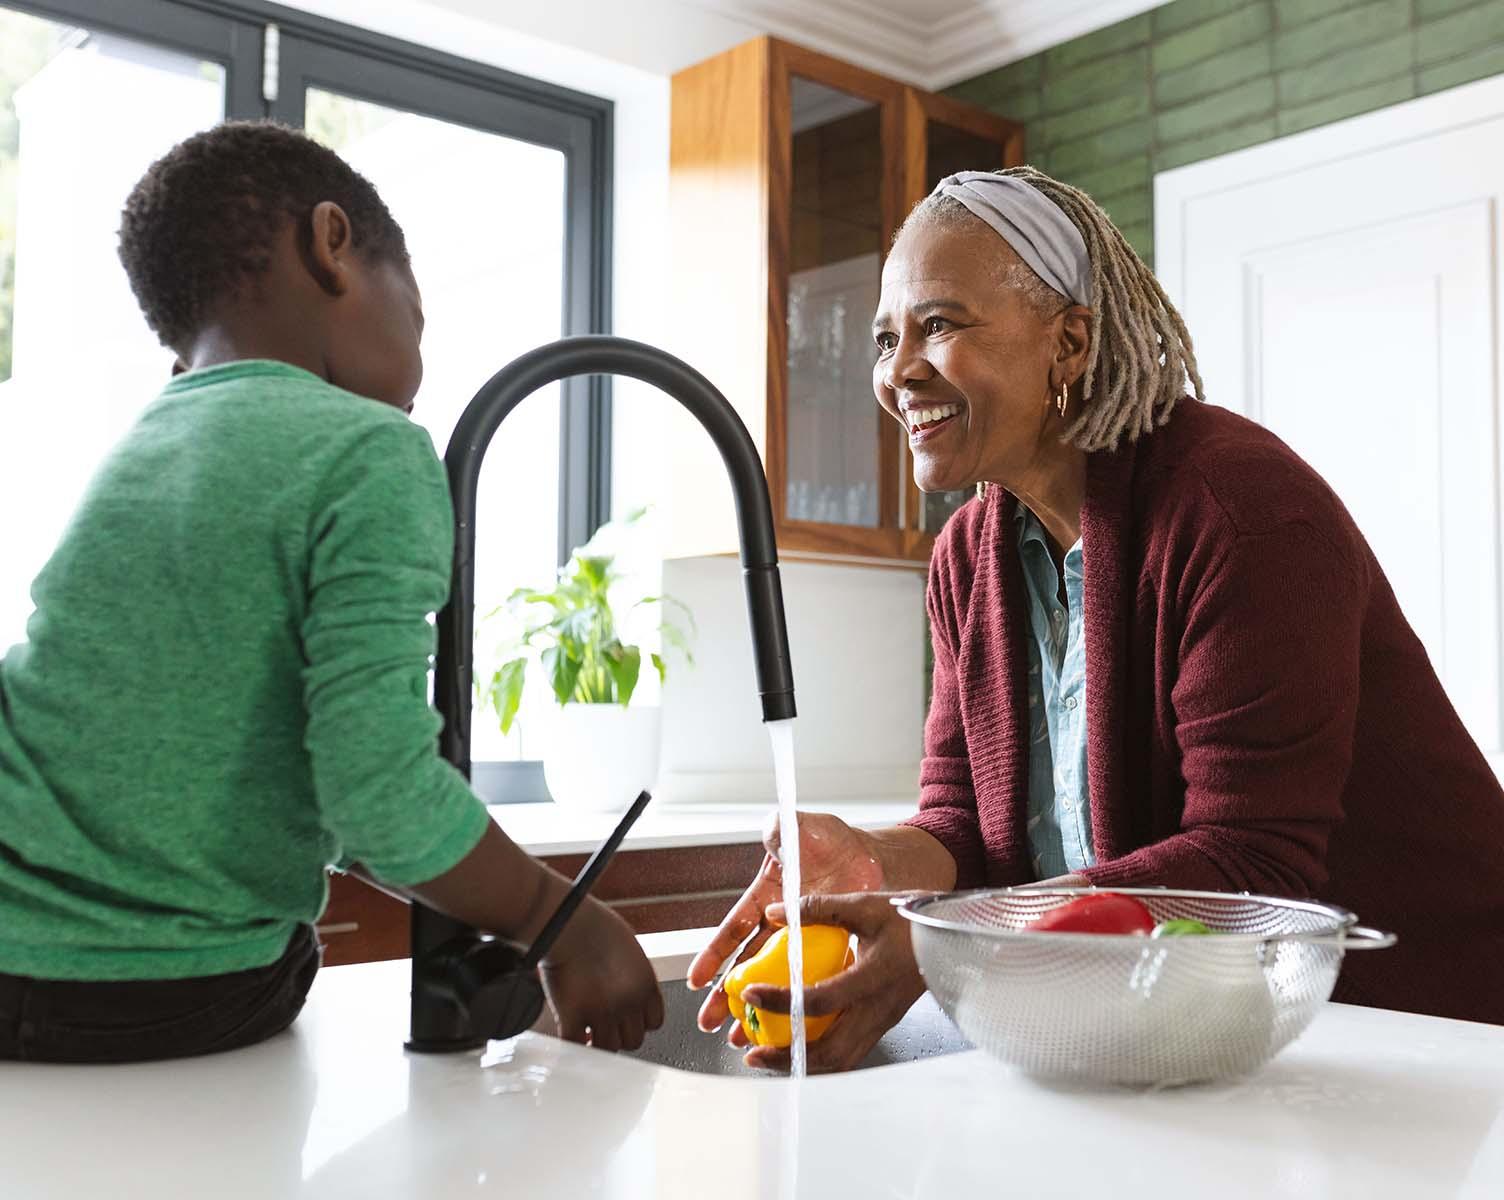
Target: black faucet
column 467, row 988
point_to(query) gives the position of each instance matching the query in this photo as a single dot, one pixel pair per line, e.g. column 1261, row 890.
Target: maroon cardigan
column 1260, row 715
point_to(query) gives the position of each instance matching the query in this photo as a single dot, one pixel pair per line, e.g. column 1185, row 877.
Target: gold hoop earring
column 1063, row 399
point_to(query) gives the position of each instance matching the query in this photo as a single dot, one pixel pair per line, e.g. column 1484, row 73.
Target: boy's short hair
column 200, row 224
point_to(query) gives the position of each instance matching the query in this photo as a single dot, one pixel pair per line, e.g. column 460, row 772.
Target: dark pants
column 47, row 1020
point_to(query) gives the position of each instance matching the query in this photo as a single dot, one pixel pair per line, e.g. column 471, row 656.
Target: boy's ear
column 327, row 244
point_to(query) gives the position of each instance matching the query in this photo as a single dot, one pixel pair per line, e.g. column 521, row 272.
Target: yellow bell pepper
column 827, row 952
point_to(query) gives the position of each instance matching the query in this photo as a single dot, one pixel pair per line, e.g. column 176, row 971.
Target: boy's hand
column 599, row 983
column 597, row 979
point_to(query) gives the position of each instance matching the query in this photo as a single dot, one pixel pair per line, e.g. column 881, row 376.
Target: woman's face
column 964, row 360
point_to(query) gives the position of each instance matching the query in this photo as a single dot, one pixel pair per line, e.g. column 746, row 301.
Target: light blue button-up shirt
column 1059, row 797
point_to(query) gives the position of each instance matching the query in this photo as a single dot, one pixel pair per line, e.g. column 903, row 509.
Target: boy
column 224, row 684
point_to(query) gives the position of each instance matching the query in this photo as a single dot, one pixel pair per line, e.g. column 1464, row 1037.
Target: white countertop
column 553, row 829
column 1368, row 1104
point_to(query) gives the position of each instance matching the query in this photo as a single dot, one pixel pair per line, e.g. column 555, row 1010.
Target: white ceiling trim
column 977, row 36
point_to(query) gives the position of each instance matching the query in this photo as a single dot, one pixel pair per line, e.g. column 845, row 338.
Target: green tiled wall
column 1196, row 78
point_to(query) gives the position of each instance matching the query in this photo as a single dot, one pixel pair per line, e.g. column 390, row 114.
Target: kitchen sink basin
column 924, row 1032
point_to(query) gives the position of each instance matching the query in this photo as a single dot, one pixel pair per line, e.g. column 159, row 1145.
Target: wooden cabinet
column 790, row 173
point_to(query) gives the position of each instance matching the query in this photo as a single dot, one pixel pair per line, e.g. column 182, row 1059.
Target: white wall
column 856, row 641
column 659, row 36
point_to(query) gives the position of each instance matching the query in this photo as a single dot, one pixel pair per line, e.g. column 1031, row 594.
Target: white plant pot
column 597, row 757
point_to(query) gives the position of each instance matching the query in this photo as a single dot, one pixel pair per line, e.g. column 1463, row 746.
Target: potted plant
column 599, row 752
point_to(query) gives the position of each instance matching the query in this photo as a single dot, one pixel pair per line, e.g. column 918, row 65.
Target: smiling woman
column 1127, row 372
column 1150, row 633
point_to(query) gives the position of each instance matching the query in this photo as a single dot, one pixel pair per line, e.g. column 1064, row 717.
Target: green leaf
column 674, row 636
column 595, row 570
column 625, row 664
column 506, row 691
column 593, row 686
column 562, row 671
column 579, row 626
column 683, row 608
column 559, row 603
column 574, row 628
column 659, row 665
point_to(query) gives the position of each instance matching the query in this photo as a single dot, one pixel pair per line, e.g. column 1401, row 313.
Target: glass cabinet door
column 851, row 152
column 948, row 149
column 836, row 240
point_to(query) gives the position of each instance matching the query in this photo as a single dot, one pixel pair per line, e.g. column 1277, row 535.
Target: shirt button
column 1070, row 702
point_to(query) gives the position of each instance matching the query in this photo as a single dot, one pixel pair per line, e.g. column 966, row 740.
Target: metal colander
column 1125, row 1008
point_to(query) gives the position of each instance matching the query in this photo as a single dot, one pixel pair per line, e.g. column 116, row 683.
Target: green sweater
column 224, row 687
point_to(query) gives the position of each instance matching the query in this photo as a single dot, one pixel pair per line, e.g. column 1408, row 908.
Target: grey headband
column 1031, row 223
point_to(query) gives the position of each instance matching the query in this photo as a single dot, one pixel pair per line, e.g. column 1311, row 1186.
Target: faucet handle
column 472, row 988
column 501, row 993
column 476, row 988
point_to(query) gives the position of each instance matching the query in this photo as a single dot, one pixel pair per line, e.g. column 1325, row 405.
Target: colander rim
column 910, row 908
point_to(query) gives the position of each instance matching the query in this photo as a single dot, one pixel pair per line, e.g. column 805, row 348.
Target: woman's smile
column 926, row 422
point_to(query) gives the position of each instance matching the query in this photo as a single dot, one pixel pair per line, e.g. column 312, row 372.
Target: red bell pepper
column 1100, row 912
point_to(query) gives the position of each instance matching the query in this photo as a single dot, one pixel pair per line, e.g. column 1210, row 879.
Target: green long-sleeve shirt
column 224, row 686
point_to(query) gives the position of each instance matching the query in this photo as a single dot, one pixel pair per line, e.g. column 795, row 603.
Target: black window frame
column 317, row 51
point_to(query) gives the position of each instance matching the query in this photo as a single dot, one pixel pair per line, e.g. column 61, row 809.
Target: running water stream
column 782, row 735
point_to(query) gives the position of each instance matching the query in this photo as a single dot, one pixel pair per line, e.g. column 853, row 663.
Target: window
column 68, row 158
column 500, row 183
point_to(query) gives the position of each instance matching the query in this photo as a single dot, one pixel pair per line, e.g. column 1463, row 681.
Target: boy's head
column 251, row 240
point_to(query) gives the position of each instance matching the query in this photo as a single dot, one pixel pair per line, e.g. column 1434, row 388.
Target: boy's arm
column 378, row 565
column 468, row 892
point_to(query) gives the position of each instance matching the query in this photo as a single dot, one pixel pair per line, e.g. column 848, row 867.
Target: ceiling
column 932, row 43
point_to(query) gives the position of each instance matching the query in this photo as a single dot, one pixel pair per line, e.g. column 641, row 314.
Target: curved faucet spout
column 457, row 977
column 600, row 355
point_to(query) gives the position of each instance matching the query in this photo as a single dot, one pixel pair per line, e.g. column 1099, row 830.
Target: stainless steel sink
column 924, row 1032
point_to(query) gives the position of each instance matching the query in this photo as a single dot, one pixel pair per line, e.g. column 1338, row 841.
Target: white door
column 1341, row 287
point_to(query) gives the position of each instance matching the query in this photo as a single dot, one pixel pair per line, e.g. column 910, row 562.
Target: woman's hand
column 871, row 996
column 833, row 857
